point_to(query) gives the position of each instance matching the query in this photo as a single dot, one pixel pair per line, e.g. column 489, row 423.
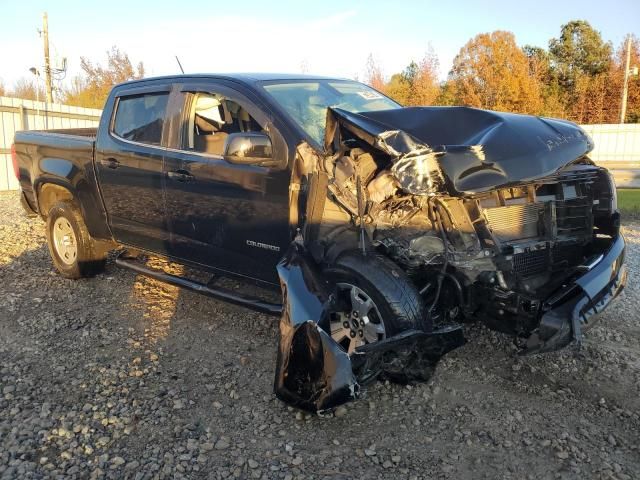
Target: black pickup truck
column 385, row 227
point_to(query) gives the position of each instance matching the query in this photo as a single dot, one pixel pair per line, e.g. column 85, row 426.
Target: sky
column 325, row 37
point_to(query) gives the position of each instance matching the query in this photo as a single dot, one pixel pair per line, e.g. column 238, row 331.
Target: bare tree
column 374, row 76
column 26, row 89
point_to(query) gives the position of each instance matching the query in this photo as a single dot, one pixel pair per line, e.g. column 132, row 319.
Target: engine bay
column 495, row 254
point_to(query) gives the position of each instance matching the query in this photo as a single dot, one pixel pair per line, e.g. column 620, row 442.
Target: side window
column 140, row 118
column 212, row 118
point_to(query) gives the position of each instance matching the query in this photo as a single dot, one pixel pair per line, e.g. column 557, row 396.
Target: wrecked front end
column 494, row 217
column 506, row 213
column 314, row 372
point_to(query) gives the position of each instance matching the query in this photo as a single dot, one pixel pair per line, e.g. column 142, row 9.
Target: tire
column 397, row 300
column 88, row 259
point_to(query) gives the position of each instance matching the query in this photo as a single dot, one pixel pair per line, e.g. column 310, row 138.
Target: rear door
column 129, row 162
column 222, row 215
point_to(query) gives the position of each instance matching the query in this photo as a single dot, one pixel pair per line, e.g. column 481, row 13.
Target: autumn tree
column 615, row 81
column 374, row 76
column 581, row 60
column 492, row 72
column 549, row 87
column 418, row 84
column 3, row 91
column 91, row 88
column 447, row 95
column 398, row 88
column 424, row 86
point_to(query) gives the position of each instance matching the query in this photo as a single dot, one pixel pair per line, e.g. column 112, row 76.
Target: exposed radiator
column 515, row 222
column 521, row 222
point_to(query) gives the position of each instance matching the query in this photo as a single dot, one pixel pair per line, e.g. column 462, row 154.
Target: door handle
column 110, row 163
column 180, row 176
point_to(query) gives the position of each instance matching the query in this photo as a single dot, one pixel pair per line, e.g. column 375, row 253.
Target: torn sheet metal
column 410, row 356
column 474, row 150
column 313, row 372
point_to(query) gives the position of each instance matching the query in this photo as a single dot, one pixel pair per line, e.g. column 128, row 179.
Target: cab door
column 223, row 215
column 129, row 165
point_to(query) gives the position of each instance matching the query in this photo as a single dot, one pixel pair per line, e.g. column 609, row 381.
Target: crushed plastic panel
column 313, row 372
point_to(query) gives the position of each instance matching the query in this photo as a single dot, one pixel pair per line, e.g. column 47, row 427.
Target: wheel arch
column 49, row 189
column 51, row 192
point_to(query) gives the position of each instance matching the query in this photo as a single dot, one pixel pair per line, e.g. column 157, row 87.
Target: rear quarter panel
column 64, row 160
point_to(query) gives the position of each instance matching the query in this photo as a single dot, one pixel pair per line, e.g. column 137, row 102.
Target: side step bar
column 253, row 303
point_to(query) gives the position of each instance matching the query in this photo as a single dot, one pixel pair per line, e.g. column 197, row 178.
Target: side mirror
column 248, row 148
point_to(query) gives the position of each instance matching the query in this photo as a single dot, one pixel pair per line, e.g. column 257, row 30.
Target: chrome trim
column 132, row 142
column 598, row 259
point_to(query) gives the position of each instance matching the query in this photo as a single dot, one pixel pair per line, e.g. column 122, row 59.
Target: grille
column 531, row 263
column 538, row 261
column 514, row 222
column 574, row 217
column 580, row 174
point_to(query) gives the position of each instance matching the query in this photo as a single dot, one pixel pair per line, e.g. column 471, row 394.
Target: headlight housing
column 614, row 192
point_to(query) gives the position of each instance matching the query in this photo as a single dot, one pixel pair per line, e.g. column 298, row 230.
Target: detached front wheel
column 73, row 252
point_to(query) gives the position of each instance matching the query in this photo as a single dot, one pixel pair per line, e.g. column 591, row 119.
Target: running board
column 253, row 303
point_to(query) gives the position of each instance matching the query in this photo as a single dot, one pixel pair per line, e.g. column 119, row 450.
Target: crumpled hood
column 476, row 150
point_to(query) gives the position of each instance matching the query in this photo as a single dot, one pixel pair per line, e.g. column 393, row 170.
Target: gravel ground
column 124, row 377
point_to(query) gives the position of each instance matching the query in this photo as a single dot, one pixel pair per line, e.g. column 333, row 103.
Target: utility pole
column 47, row 62
column 625, row 88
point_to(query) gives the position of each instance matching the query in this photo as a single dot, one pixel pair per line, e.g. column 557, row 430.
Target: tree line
column 90, row 88
column 578, row 77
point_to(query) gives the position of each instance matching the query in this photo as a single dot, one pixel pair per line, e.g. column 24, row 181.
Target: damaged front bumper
column 572, row 309
column 313, row 372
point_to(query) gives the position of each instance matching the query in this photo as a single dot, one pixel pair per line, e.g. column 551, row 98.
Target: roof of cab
column 248, row 78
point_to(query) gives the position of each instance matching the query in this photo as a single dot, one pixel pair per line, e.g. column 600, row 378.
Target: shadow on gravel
column 121, row 376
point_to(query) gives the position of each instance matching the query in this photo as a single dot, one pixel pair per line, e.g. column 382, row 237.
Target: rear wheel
column 374, row 300
column 74, row 253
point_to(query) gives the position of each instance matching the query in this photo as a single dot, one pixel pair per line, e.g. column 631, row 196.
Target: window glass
column 140, row 118
column 307, row 102
column 212, row 118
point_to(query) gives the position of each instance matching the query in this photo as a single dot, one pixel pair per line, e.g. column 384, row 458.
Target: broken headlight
column 417, row 172
column 426, row 245
column 614, row 192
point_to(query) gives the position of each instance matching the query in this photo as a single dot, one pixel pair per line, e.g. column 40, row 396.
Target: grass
column 629, row 202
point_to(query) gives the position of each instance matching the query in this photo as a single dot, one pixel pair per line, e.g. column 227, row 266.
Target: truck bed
column 74, row 132
column 43, row 154
column 84, row 133
column 71, row 139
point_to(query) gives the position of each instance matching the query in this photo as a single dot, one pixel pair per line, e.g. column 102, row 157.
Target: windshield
column 307, row 101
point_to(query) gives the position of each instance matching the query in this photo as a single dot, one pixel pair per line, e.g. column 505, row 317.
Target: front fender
column 312, row 371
